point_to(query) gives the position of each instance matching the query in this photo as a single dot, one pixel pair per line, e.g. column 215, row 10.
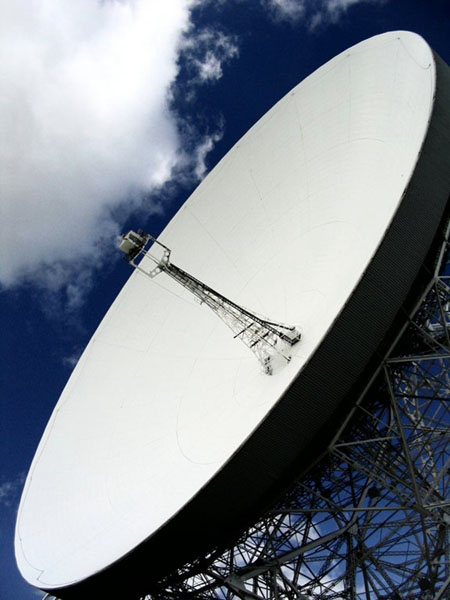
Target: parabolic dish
column 168, row 434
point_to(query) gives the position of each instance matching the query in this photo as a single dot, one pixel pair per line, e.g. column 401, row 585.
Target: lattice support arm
column 266, row 339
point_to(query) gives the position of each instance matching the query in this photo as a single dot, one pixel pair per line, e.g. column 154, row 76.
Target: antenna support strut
column 266, row 339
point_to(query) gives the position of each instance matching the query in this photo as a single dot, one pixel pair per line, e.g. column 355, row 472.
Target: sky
column 111, row 113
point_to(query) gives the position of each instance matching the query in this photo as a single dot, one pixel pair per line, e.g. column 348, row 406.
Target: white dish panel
column 285, row 225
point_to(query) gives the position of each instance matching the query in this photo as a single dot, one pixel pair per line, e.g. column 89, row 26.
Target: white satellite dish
column 168, row 436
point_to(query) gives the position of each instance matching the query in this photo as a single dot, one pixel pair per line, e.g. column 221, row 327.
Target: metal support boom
column 266, row 339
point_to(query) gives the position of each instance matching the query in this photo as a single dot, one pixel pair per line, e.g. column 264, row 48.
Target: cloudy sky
column 111, row 112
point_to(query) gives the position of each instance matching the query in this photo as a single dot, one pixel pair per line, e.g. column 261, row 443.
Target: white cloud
column 207, row 51
column 313, row 12
column 331, row 11
column 336, row 6
column 9, row 490
column 289, row 10
column 87, row 129
column 202, row 151
column 72, row 360
column 210, row 68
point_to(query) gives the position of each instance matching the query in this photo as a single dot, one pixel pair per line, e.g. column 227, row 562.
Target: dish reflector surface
column 285, row 225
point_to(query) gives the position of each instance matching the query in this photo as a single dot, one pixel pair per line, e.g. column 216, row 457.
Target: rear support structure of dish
column 266, row 339
column 372, row 519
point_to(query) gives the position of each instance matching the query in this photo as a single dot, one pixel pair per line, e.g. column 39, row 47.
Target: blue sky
column 112, row 113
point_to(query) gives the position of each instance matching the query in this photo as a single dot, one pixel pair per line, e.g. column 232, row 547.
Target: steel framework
column 372, row 519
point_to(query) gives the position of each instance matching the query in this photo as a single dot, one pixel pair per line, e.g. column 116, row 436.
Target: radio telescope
column 173, row 465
